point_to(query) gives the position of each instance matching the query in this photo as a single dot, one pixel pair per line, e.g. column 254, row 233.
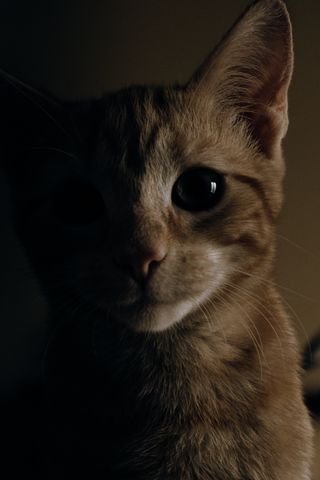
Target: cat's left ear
column 249, row 72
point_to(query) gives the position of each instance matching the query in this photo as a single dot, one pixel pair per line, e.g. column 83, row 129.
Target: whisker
column 299, row 247
column 245, row 312
column 29, row 93
column 250, row 333
column 272, row 283
column 198, row 304
column 249, row 294
column 264, row 316
column 55, row 149
column 259, row 340
column 287, row 304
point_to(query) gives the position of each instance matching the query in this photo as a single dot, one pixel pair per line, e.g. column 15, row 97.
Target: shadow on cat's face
column 152, row 203
column 159, row 215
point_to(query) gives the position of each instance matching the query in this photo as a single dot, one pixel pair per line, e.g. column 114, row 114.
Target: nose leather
column 141, row 262
column 143, row 265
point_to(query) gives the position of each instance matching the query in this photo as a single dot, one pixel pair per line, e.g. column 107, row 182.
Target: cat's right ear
column 249, row 73
column 33, row 122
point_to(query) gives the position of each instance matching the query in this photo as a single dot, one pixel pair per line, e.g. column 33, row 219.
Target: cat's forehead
column 139, row 123
column 160, row 132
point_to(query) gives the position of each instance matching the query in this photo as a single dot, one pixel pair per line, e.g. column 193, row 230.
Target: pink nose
column 143, row 261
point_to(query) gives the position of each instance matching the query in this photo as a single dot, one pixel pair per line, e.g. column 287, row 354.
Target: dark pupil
column 197, row 189
column 78, row 202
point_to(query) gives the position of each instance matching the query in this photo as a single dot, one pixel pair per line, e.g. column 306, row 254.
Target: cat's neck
column 189, row 380
column 220, row 343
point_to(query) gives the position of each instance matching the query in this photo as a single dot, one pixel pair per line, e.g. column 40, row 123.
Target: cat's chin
column 155, row 317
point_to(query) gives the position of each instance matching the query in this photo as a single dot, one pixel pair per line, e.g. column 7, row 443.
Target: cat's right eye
column 78, row 203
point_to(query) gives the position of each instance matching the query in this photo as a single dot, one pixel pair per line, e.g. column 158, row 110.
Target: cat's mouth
column 134, row 306
column 150, row 315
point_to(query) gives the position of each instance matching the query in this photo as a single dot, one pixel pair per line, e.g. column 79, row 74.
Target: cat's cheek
column 218, row 264
column 210, row 274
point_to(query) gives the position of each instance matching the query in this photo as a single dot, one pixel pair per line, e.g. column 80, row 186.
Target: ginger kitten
column 149, row 217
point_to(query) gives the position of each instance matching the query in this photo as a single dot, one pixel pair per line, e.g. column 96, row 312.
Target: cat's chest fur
column 183, row 405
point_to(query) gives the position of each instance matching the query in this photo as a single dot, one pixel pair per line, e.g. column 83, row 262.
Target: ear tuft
column 249, row 72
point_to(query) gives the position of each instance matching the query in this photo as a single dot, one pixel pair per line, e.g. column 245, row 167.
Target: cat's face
column 177, row 195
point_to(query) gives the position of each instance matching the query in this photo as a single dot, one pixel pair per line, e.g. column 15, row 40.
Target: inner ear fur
column 249, row 73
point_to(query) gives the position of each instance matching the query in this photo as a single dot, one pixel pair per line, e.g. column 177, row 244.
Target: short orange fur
column 201, row 381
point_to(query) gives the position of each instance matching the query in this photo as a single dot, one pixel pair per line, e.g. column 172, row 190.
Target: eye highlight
column 198, row 189
column 78, row 203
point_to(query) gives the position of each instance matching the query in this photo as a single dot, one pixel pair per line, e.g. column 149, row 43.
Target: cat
column 149, row 218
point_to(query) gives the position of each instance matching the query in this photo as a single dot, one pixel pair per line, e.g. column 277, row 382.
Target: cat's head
column 150, row 202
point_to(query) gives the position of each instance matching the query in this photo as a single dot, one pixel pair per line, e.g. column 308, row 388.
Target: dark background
column 78, row 49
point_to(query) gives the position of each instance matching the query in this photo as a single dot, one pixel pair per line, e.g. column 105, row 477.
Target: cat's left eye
column 198, row 189
column 78, row 202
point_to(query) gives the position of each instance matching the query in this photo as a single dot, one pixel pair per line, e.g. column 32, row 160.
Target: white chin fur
column 160, row 317
column 157, row 318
